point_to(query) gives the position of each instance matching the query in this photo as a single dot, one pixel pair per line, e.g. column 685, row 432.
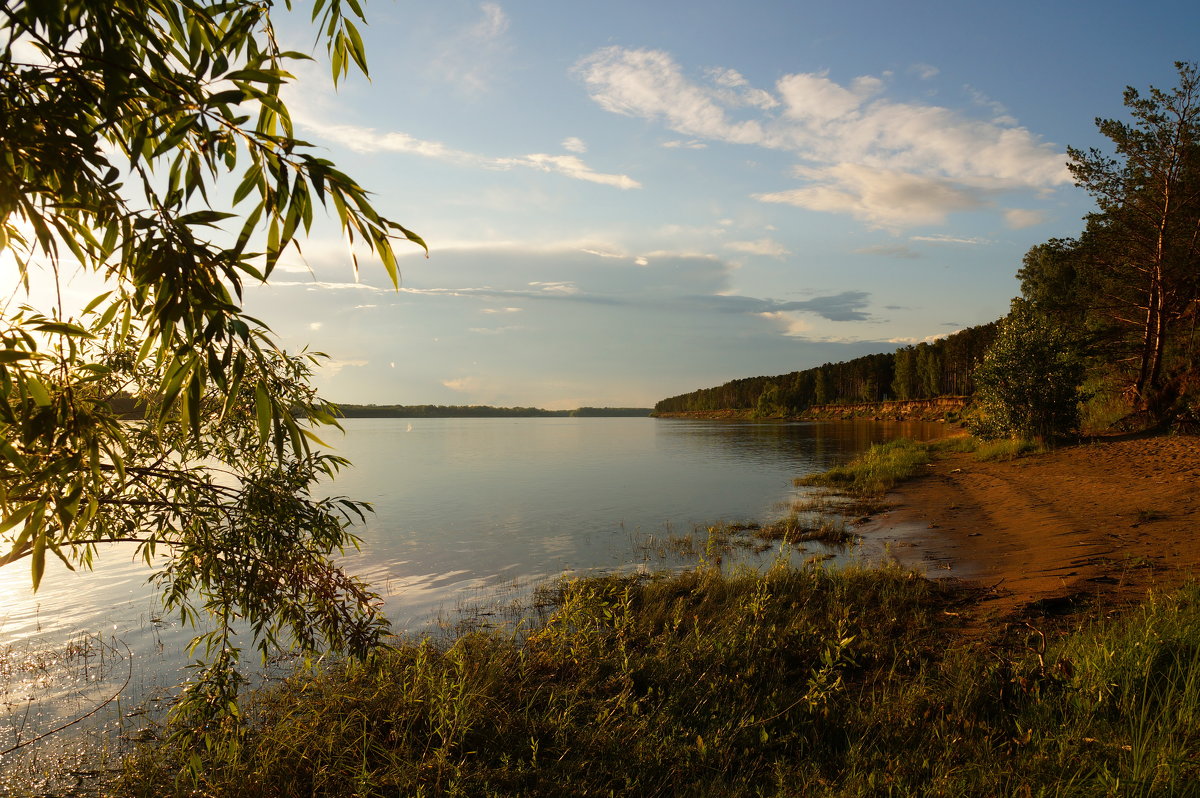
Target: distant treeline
column 481, row 411
column 924, row 371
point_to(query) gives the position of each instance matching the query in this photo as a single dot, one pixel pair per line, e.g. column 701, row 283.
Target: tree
column 1027, row 385
column 120, row 122
column 1145, row 234
column 904, row 386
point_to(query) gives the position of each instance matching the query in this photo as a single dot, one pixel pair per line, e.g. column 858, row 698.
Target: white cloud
column 649, row 84
column 1020, row 218
column 816, row 98
column 501, row 310
column 600, row 253
column 319, row 285
column 763, row 246
column 574, row 144
column 924, row 71
column 573, row 167
column 367, row 140
column 944, row 239
column 690, row 144
column 640, row 261
column 316, row 325
column 880, row 197
column 565, row 288
column 888, row 163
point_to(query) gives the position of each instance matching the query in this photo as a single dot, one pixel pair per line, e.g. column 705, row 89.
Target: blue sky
column 629, row 200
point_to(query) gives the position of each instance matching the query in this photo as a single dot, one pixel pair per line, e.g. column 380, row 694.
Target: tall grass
column 797, row 681
column 876, row 471
column 1007, row 449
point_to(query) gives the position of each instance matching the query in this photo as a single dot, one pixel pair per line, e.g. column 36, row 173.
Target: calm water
column 465, row 509
column 468, row 504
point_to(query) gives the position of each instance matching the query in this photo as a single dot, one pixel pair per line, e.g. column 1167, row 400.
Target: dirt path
column 1110, row 518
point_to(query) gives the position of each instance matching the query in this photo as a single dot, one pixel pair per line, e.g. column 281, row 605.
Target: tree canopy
column 146, row 143
column 1135, row 272
column 1028, row 381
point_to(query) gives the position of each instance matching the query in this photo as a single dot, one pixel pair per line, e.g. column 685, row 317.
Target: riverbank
column 800, row 680
column 945, row 408
column 1104, row 520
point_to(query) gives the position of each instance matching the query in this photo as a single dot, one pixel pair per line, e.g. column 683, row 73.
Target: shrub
column 1028, row 384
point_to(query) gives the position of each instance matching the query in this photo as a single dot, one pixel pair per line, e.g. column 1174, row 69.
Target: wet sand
column 1102, row 521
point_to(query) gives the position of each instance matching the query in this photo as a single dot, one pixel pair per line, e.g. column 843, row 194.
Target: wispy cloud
column 368, row 140
column 463, row 384
column 334, row 367
column 574, row 144
column 891, row 164
column 600, row 253
column 945, row 239
column 468, row 58
column 322, row 285
column 566, row 288
column 1020, row 218
column 763, row 246
column 889, row 251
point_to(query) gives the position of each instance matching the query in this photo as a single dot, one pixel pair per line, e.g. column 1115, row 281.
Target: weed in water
column 876, row 471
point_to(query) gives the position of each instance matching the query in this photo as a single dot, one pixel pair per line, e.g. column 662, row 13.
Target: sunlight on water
column 471, row 514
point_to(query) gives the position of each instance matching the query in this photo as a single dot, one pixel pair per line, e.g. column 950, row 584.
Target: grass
column 800, row 680
column 1007, row 449
column 797, row 681
column 795, row 529
column 876, row 471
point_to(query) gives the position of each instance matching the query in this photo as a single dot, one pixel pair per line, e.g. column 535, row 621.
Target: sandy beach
column 1104, row 520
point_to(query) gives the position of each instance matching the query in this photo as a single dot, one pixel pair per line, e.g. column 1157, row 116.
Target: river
column 467, row 512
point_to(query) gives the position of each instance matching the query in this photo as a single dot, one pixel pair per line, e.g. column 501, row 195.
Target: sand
column 1103, row 521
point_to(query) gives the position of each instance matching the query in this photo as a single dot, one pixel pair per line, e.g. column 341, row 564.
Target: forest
column 482, row 411
column 929, row 369
column 1103, row 333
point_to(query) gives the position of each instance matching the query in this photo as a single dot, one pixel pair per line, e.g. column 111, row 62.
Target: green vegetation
column 797, row 681
column 1028, row 382
column 1120, row 302
column 484, row 411
column 113, row 140
column 876, row 471
column 1009, row 449
column 118, row 120
column 924, row 371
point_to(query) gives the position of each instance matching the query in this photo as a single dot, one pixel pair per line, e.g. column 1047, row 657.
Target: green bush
column 1028, row 384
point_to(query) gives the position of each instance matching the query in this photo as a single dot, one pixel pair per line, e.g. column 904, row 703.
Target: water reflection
column 470, row 508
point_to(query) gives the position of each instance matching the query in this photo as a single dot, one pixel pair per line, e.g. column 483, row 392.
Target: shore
column 1104, row 520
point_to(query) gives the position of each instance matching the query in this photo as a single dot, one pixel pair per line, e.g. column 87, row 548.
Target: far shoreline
column 945, row 409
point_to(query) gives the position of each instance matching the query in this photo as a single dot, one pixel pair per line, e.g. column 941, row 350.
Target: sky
column 625, row 200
